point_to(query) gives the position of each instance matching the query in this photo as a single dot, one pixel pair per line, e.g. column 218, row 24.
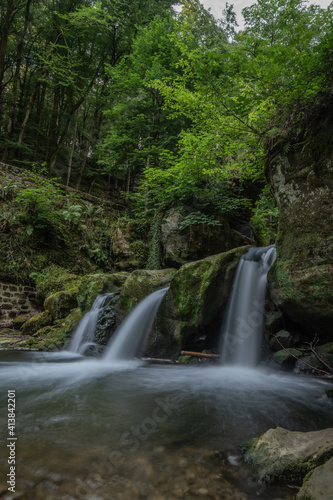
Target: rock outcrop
column 300, row 172
column 194, row 304
column 285, row 455
column 182, row 243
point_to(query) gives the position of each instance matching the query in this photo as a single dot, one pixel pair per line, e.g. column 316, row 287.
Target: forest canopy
column 163, row 106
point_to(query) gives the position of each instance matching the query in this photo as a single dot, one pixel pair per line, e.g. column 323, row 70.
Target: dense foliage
column 170, row 109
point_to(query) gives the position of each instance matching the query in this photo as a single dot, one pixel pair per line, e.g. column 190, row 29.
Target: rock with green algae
column 141, row 283
column 282, row 455
column 36, row 323
column 311, row 364
column 20, row 320
column 286, row 355
column 194, row 303
column 61, row 303
column 318, row 484
column 93, row 285
column 188, row 360
column 54, row 336
column 301, row 280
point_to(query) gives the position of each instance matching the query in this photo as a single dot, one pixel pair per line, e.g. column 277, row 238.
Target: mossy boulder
column 194, row 304
column 282, row 455
column 283, row 338
column 55, row 279
column 20, row 320
column 289, row 355
column 55, row 336
column 60, row 303
column 141, row 283
column 186, row 237
column 120, row 278
column 318, row 484
column 301, row 281
column 36, row 323
column 311, row 364
column 93, row 285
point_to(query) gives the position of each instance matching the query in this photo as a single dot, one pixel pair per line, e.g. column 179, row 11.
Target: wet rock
column 281, row 339
column 93, row 285
column 311, row 364
column 301, row 281
column 141, row 283
column 182, row 242
column 36, row 323
column 60, row 303
column 318, row 484
column 194, row 304
column 280, row 454
column 20, row 320
column 108, row 320
column 287, row 358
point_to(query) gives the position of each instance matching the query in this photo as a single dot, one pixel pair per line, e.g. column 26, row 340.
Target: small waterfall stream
column 84, row 333
column 243, row 321
column 132, row 334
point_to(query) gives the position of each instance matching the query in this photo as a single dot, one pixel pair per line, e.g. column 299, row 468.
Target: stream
column 88, row 429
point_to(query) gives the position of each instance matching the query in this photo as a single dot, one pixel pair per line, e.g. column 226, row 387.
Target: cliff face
column 300, row 171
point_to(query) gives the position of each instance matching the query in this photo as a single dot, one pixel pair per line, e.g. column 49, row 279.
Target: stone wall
column 15, row 300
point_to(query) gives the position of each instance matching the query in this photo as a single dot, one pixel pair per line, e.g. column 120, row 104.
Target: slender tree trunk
column 88, row 144
column 28, row 111
column 15, row 82
column 71, row 113
column 69, row 171
column 5, row 27
column 128, row 184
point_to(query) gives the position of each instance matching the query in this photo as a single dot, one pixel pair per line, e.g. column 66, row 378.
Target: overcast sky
column 217, row 6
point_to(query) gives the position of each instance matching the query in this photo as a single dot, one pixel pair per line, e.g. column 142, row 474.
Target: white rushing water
column 132, row 334
column 84, row 333
column 241, row 331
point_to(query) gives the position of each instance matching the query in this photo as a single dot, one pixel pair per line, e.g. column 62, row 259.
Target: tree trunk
column 28, row 111
column 69, row 171
column 88, row 144
column 5, row 26
column 15, row 82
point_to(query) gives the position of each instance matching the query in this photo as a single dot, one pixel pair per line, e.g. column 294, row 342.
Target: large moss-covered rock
column 318, row 484
column 194, row 304
column 55, row 336
column 182, row 242
column 300, row 172
column 280, row 454
column 36, row 323
column 55, row 279
column 141, row 283
column 93, row 285
column 60, row 303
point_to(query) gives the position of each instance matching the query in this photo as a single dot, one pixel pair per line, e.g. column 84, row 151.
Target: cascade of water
column 84, row 333
column 242, row 326
column 131, row 335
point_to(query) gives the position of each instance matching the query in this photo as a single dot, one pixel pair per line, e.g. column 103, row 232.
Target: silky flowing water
column 87, row 429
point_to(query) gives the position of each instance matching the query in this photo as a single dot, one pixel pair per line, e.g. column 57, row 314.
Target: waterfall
column 131, row 335
column 242, row 326
column 84, row 333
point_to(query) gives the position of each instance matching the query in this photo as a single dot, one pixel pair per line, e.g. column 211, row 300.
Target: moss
column 60, row 303
column 20, row 320
column 55, row 336
column 284, row 355
column 329, row 392
column 36, row 322
column 188, row 360
column 54, row 279
column 142, row 283
column 93, row 285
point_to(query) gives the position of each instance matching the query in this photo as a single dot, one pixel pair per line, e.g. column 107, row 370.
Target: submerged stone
column 285, row 455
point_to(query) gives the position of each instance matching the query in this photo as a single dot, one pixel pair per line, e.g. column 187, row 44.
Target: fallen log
column 199, row 354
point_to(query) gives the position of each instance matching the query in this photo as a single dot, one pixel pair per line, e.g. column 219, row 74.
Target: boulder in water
column 285, row 455
column 194, row 304
column 318, row 483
